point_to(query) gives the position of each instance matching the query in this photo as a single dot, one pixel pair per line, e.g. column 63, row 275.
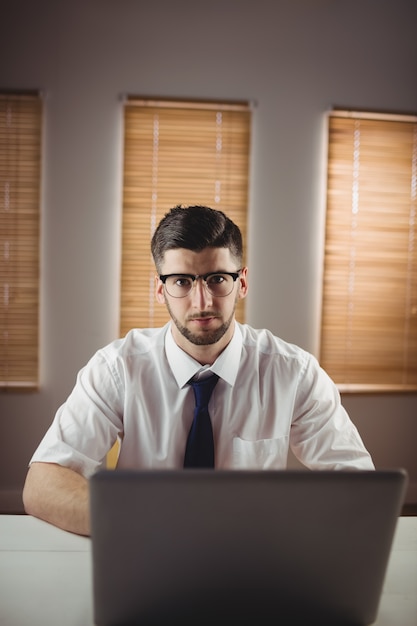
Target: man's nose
column 201, row 297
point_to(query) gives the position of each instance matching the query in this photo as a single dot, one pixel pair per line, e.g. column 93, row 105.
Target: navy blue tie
column 199, row 451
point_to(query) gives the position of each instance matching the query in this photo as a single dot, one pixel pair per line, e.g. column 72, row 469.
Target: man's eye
column 215, row 279
column 182, row 282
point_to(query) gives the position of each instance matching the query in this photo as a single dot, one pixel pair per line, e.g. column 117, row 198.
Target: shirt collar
column 184, row 367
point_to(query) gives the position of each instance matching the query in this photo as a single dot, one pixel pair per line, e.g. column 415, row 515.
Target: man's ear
column 159, row 290
column 243, row 283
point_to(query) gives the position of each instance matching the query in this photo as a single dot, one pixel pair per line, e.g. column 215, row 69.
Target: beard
column 206, row 338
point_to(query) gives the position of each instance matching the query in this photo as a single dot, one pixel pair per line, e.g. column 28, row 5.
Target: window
column 20, row 163
column 176, row 153
column 369, row 315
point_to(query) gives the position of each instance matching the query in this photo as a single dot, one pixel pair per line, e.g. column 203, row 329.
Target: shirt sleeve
column 87, row 425
column 322, row 434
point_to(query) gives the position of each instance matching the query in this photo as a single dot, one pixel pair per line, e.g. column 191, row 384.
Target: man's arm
column 58, row 495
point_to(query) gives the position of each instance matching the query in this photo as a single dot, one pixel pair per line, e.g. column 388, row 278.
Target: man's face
column 201, row 319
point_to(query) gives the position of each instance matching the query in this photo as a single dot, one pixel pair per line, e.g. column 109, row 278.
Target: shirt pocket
column 260, row 454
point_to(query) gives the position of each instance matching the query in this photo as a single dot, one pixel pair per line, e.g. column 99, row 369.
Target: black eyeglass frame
column 234, row 275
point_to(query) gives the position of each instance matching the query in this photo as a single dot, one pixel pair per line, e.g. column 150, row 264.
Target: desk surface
column 46, row 575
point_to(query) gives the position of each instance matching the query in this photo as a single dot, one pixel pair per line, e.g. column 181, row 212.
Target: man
column 269, row 395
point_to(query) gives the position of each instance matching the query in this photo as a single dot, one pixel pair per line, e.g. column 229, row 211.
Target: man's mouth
column 203, row 319
column 203, row 316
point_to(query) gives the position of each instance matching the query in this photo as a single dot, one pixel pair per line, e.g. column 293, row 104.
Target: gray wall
column 295, row 59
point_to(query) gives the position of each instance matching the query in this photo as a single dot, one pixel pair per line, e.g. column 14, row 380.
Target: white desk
column 46, row 576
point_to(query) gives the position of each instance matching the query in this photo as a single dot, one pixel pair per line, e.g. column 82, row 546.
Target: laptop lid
column 233, row 547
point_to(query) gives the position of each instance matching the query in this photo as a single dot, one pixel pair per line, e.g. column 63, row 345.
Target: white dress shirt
column 271, row 396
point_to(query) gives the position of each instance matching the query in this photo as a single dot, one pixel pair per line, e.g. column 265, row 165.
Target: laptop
column 239, row 547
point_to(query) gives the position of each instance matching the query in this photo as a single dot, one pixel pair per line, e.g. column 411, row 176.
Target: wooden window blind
column 20, row 166
column 369, row 313
column 176, row 153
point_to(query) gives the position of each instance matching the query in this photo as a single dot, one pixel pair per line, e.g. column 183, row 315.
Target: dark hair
column 195, row 228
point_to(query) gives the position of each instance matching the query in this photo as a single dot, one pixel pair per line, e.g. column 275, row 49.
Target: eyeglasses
column 219, row 284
